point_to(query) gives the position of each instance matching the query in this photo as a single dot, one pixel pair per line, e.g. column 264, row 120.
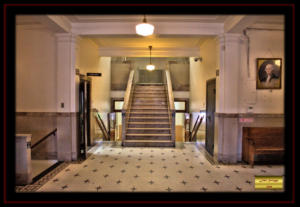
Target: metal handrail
column 44, row 138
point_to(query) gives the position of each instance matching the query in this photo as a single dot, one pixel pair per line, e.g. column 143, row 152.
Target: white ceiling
column 144, row 42
column 150, row 18
column 160, row 41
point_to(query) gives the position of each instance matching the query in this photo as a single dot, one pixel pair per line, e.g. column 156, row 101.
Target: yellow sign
column 268, row 182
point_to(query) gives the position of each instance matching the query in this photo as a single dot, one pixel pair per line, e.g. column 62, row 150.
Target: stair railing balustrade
column 127, row 104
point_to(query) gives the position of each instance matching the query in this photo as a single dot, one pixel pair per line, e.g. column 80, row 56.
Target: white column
column 229, row 73
column 227, row 108
column 66, row 71
column 67, row 94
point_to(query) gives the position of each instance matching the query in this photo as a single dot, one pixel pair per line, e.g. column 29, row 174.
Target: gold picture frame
column 268, row 73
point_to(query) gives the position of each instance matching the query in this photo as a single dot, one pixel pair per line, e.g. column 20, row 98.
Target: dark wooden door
column 210, row 115
column 82, row 119
column 88, row 115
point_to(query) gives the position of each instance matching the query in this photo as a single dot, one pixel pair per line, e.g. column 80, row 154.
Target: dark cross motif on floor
column 197, row 176
column 179, row 171
column 141, row 153
column 183, row 153
column 166, row 176
column 165, row 167
column 138, row 166
column 151, row 182
column 85, row 165
column 133, row 188
column 116, row 158
column 236, row 171
column 186, row 159
column 176, row 163
column 77, row 174
column 64, row 187
column 263, row 171
column 151, row 171
column 119, row 153
column 67, row 170
column 201, row 163
column 183, row 182
column 239, row 189
column 248, row 181
column 87, row 181
column 126, row 163
column 208, row 171
column 169, row 189
column 111, row 166
column 129, row 156
column 55, row 180
column 151, row 163
column 136, row 176
column 92, row 158
column 95, row 170
column 119, row 181
column 163, row 159
column 101, row 162
column 122, row 171
column 204, row 189
column 227, row 176
column 191, row 167
column 217, row 166
column 174, row 156
column 151, row 156
column 140, row 159
column 162, row 153
column 98, row 188
column 106, row 175
column 216, row 182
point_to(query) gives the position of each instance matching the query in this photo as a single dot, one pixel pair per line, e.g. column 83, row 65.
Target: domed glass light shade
column 150, row 67
column 144, row 28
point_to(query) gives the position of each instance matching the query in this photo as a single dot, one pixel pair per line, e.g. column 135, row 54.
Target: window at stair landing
column 179, row 120
column 117, row 107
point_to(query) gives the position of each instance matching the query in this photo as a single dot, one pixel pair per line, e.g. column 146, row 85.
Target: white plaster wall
column 91, row 62
column 263, row 44
column 35, row 70
column 200, row 72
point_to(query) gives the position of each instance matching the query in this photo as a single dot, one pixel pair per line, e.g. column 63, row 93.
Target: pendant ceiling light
column 150, row 66
column 144, row 29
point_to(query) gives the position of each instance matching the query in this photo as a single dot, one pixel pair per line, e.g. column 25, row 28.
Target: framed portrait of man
column 268, row 73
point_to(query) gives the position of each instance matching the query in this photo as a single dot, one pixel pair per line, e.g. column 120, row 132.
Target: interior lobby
column 91, row 116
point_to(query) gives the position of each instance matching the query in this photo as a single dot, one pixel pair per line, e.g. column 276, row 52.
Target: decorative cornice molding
column 143, row 52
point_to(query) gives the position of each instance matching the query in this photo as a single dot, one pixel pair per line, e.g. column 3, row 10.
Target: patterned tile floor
column 112, row 168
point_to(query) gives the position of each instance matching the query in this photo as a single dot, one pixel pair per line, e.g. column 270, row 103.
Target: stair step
column 148, row 124
column 148, row 114
column 149, row 96
column 149, row 131
column 149, row 92
column 163, row 110
column 149, row 103
column 151, row 112
column 148, row 143
column 151, row 119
